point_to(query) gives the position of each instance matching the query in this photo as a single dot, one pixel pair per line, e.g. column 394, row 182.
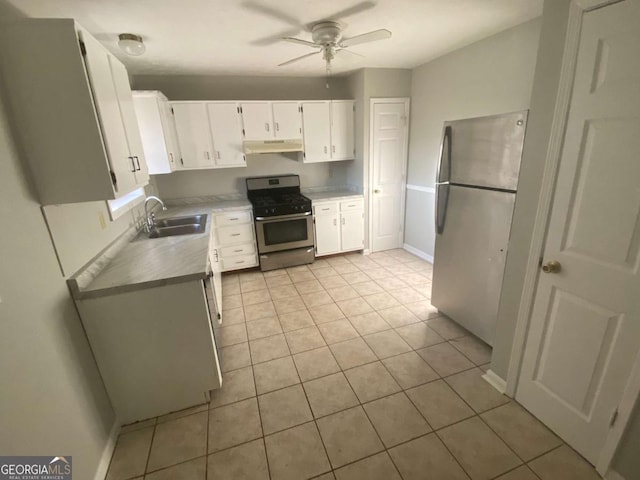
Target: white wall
column 231, row 180
column 492, row 76
column 53, row 401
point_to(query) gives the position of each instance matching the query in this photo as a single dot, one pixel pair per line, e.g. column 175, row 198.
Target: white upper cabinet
column 157, row 130
column 342, row 130
column 287, row 120
column 316, row 122
column 328, row 128
column 72, row 111
column 129, row 120
column 226, row 131
column 194, row 136
column 256, row 120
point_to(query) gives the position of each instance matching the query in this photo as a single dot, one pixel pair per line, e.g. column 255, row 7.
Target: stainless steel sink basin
column 169, row 227
column 176, row 221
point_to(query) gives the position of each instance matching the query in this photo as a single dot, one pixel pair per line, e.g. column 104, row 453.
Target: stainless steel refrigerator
column 476, row 188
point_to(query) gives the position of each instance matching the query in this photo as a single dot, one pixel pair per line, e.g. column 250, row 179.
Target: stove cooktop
column 284, row 204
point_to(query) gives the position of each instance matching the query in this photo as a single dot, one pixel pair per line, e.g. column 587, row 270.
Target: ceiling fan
column 327, row 39
column 326, row 34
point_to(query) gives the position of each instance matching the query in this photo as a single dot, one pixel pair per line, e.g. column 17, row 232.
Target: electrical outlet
column 101, row 219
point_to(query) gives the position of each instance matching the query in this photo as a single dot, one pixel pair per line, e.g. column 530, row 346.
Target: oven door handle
column 283, row 217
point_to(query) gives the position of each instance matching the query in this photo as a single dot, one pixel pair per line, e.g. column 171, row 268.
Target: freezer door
column 486, row 151
column 469, row 258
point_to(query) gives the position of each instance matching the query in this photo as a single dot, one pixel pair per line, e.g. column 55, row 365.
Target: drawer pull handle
column 238, row 251
column 241, row 261
column 324, row 209
column 235, row 234
column 233, row 219
column 350, row 205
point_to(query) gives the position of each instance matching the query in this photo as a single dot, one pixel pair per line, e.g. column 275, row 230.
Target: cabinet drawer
column 325, row 208
column 240, row 261
column 356, row 204
column 235, row 234
column 245, row 249
column 232, row 218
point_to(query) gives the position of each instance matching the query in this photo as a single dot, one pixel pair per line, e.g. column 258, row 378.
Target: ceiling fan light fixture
column 131, row 44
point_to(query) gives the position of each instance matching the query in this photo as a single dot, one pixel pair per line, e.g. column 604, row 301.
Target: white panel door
column 585, row 331
column 226, row 130
column 194, row 137
column 352, row 230
column 108, row 107
column 129, row 120
column 327, row 232
column 316, row 127
column 342, row 131
column 256, row 121
column 388, row 172
column 287, row 120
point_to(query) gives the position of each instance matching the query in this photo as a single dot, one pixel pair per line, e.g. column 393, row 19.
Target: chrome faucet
column 150, row 218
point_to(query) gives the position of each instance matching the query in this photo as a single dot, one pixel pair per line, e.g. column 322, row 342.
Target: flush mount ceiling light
column 131, row 44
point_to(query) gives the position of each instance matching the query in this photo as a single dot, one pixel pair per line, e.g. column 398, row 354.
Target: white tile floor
column 344, row 370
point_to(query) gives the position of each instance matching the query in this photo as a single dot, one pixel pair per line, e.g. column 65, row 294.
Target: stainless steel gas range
column 283, row 221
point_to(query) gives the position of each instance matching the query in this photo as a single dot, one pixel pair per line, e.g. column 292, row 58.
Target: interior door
column 342, row 126
column 256, row 121
column 287, row 121
column 316, row 121
column 584, row 332
column 226, row 131
column 108, row 108
column 388, row 172
column 194, row 137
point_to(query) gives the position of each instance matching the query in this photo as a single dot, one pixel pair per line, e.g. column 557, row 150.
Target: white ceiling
column 227, row 37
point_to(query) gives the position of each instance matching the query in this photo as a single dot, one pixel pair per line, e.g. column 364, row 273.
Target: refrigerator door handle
column 445, row 148
column 442, row 202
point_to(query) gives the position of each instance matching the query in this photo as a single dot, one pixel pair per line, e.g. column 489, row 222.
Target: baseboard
column 495, row 381
column 613, row 475
column 107, row 452
column 418, row 253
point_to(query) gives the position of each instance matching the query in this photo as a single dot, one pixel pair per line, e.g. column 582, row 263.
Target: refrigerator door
column 486, row 151
column 470, row 254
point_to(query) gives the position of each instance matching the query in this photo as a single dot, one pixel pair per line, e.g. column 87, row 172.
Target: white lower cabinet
column 339, row 226
column 155, row 347
column 233, row 241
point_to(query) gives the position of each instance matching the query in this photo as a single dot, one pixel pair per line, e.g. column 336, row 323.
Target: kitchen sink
column 177, row 221
column 169, row 227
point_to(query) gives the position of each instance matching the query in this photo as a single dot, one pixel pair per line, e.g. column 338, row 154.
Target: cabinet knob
column 325, row 149
column 377, row 190
column 266, row 126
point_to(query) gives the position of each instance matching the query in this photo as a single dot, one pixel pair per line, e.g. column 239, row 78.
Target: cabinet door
column 129, row 120
column 226, row 131
column 327, row 231
column 256, row 121
column 287, row 121
column 192, row 125
column 108, row 109
column 152, row 133
column 170, row 135
column 352, row 230
column 316, row 120
column 342, row 126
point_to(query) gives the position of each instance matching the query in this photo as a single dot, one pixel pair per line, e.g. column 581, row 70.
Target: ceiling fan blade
column 347, row 12
column 301, row 42
column 381, row 34
column 274, row 13
column 297, row 59
column 344, row 50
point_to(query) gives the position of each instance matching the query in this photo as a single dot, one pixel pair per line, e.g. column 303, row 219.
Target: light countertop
column 332, row 195
column 151, row 262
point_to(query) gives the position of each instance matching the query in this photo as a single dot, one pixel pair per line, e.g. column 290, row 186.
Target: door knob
column 551, row 266
column 377, row 190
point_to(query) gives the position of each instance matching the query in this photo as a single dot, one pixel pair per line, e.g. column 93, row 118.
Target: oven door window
column 289, row 231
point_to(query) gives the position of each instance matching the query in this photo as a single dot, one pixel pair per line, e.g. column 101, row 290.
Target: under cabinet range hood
column 273, row 146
